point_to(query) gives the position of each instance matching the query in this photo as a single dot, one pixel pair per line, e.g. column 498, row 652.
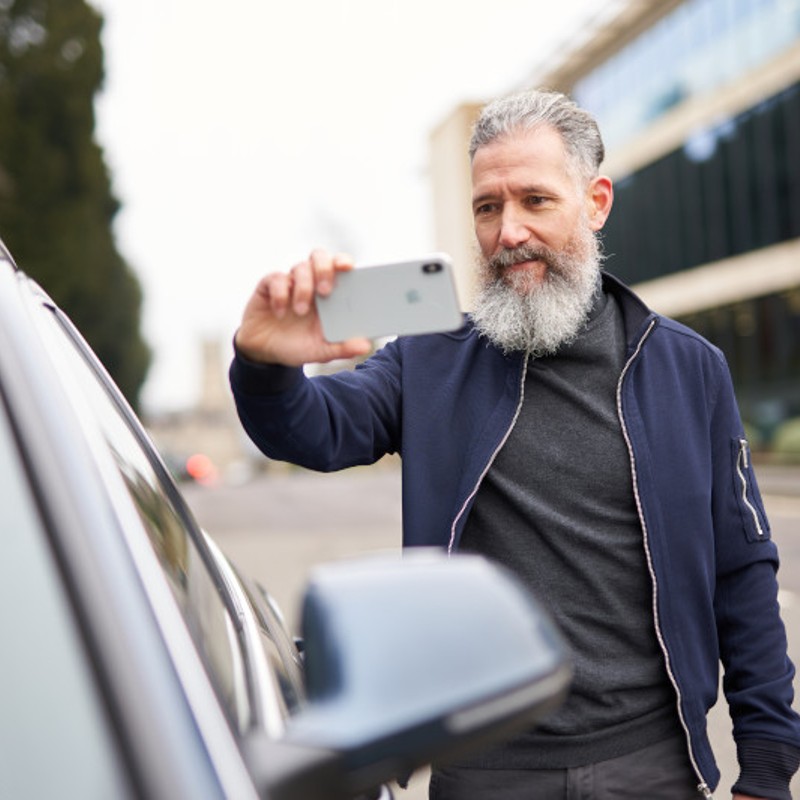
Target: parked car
column 138, row 662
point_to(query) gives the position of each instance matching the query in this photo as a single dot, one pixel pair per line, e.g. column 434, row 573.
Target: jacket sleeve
column 758, row 673
column 326, row 422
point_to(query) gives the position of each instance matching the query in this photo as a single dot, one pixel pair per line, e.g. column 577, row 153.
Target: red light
column 201, row 468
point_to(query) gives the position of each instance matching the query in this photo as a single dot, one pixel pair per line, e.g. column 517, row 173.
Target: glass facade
column 731, row 189
column 761, row 340
column 699, row 47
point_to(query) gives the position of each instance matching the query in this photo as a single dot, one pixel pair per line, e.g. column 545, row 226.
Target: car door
column 165, row 636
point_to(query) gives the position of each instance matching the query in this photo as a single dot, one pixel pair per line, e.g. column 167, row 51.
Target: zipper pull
column 705, row 791
column 743, row 450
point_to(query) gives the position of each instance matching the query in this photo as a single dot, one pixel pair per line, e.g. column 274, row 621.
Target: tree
column 56, row 203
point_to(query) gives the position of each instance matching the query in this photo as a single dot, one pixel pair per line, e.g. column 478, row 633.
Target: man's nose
column 513, row 231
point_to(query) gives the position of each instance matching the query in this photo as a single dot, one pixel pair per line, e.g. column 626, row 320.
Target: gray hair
column 527, row 110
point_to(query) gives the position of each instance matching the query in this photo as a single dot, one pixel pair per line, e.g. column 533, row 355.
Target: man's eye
column 535, row 200
column 484, row 209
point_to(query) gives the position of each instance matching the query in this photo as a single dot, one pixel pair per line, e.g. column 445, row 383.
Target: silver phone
column 400, row 298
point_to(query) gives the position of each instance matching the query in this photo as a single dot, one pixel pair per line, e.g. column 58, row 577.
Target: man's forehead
column 532, row 159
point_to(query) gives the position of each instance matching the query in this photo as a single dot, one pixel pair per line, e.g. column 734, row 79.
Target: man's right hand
column 280, row 324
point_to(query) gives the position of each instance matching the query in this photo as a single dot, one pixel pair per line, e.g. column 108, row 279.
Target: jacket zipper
column 742, row 464
column 491, row 459
column 702, row 787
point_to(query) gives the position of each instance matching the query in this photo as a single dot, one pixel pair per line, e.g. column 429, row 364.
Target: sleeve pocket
column 748, row 498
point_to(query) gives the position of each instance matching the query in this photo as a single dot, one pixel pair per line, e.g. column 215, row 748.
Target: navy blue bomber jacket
column 447, row 402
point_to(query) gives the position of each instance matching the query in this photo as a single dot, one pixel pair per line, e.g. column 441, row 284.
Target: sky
column 241, row 134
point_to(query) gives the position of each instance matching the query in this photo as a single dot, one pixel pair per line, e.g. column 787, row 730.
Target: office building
column 699, row 104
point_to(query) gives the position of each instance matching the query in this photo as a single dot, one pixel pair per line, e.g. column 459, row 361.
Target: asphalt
column 781, row 480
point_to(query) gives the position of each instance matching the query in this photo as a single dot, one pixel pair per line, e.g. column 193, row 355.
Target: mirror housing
column 417, row 659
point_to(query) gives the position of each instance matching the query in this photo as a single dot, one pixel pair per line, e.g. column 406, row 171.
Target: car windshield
column 169, row 525
column 55, row 739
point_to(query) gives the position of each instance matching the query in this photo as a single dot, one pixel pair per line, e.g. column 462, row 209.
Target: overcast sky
column 239, row 134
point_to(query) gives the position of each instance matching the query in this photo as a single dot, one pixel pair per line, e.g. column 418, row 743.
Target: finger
column 302, row 290
column 343, row 262
column 276, row 289
column 351, row 348
column 323, row 265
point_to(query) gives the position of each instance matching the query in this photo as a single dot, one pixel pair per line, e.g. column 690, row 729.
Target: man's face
column 536, row 223
column 525, row 196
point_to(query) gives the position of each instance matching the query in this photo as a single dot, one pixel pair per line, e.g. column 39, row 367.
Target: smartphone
column 401, row 298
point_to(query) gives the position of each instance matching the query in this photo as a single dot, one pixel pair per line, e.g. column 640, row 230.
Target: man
column 586, row 442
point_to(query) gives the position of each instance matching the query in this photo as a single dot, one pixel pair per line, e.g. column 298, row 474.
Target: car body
column 138, row 662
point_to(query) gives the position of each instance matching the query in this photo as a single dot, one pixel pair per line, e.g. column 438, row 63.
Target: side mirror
column 416, row 659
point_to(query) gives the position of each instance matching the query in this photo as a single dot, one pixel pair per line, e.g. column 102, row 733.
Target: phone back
column 402, row 298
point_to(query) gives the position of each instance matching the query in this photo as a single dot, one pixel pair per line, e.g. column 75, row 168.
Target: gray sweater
column 557, row 508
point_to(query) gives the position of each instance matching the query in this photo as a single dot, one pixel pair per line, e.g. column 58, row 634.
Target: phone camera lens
column 432, row 267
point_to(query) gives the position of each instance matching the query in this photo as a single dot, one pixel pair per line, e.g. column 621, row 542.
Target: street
column 277, row 527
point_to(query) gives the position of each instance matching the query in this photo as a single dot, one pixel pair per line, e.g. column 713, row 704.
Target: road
column 280, row 525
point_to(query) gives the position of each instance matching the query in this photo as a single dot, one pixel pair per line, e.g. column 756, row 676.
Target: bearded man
column 590, row 445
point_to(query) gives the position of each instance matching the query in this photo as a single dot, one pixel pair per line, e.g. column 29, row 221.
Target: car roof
column 5, row 254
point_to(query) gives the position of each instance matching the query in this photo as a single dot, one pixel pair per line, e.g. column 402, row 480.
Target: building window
column 761, row 341
column 699, row 47
column 731, row 189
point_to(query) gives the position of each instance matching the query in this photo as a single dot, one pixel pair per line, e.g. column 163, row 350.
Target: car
column 138, row 661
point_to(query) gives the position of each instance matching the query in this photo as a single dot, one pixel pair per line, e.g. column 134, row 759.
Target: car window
column 169, row 525
column 278, row 647
column 55, row 738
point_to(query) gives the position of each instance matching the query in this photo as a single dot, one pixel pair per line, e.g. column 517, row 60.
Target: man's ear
column 599, row 199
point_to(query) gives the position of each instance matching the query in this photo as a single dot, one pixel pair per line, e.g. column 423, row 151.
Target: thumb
column 351, row 348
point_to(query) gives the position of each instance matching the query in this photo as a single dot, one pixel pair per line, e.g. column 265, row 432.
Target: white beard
column 538, row 319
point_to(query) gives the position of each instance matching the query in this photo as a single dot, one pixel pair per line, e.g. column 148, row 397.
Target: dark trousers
column 659, row 772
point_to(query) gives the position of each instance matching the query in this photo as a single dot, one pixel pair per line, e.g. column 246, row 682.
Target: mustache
column 507, row 257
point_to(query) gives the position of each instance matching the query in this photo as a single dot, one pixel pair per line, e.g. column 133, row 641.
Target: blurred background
column 156, row 158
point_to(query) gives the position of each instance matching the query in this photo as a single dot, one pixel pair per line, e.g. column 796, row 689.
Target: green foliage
column 786, row 444
column 56, row 203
